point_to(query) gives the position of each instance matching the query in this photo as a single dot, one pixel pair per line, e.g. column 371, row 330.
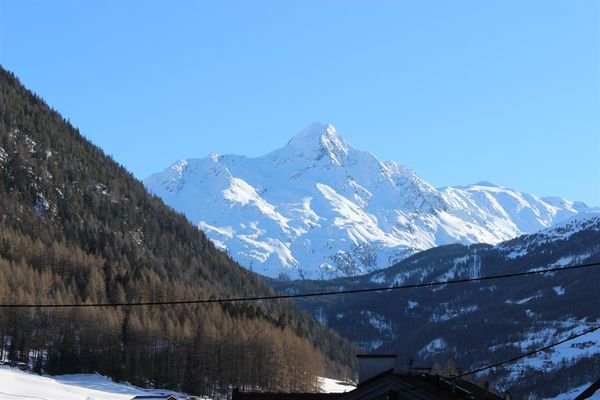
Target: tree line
column 76, row 227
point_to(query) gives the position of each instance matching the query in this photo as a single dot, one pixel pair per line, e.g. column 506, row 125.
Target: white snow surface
column 583, row 347
column 15, row 384
column 328, row 385
column 555, row 359
column 436, row 345
column 318, row 208
column 572, row 393
column 586, row 220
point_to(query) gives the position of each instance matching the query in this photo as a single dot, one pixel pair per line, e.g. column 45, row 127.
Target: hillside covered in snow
column 25, row 385
column 481, row 323
column 15, row 384
column 318, row 208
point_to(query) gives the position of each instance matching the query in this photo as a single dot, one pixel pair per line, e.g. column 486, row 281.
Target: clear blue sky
column 461, row 91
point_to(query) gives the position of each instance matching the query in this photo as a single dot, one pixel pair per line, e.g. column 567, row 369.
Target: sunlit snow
column 318, row 208
column 15, row 384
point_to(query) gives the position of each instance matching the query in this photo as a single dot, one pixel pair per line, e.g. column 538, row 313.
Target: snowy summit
column 318, row 208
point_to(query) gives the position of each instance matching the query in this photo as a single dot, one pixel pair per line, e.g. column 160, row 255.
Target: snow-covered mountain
column 318, row 208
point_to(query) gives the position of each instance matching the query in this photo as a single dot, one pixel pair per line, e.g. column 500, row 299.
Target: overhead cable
column 312, row 294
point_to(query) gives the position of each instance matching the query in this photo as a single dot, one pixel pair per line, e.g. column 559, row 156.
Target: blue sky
column 460, row 91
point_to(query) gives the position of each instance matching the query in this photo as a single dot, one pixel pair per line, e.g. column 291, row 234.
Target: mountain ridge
column 319, row 208
column 480, row 323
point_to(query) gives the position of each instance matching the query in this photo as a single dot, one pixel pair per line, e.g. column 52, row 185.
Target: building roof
column 418, row 385
column 394, row 386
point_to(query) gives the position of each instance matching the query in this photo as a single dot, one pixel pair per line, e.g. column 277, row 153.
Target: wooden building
column 154, row 397
column 380, row 380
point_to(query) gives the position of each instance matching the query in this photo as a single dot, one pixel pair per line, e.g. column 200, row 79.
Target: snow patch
column 445, row 312
column 23, row 385
column 378, row 278
column 328, row 385
column 573, row 393
column 3, row 155
column 435, row 346
column 523, row 301
column 378, row 321
column 559, row 290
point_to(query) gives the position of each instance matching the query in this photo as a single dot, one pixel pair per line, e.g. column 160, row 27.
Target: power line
column 530, row 353
column 513, row 359
column 313, row 294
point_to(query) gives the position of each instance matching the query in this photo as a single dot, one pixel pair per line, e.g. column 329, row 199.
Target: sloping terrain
column 75, row 227
column 318, row 208
column 25, row 385
column 476, row 324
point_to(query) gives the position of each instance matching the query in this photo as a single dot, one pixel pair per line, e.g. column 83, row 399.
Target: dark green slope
column 77, row 227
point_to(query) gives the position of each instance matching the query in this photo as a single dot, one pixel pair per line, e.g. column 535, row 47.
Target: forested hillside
column 76, row 227
column 470, row 325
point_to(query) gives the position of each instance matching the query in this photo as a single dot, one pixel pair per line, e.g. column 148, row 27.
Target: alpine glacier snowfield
column 318, row 208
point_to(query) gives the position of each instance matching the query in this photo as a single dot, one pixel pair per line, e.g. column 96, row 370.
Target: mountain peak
column 486, row 183
column 312, row 131
column 317, row 208
column 319, row 140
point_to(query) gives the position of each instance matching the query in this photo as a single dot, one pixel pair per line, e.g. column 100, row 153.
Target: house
column 424, row 385
column 155, row 397
column 379, row 379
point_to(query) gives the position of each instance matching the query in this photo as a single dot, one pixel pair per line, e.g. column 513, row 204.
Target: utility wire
column 513, row 359
column 530, row 353
column 313, row 294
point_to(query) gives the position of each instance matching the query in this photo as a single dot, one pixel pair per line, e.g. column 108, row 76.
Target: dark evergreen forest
column 478, row 323
column 76, row 227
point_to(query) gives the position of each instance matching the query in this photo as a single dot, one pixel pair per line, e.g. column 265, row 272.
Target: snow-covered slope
column 481, row 323
column 318, row 208
column 573, row 393
column 15, row 384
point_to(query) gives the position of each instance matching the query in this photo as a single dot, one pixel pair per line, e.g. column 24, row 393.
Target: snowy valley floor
column 19, row 385
column 15, row 384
